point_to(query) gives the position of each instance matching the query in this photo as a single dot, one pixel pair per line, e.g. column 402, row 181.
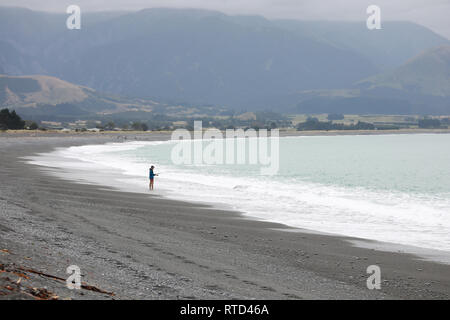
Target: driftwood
column 84, row 285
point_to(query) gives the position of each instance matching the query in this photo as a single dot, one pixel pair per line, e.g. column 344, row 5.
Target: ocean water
column 393, row 188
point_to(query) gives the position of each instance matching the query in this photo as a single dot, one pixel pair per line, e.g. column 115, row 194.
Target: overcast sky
column 434, row 14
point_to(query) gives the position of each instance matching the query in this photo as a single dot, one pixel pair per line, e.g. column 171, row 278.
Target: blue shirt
column 152, row 175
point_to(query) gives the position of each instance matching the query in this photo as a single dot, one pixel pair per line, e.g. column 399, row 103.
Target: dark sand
column 143, row 247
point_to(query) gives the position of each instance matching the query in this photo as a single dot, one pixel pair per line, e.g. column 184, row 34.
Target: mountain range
column 190, row 56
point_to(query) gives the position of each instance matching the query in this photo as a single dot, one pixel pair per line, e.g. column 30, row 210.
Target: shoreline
column 99, row 177
column 195, row 250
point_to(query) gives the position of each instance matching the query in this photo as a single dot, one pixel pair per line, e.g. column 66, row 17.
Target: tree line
column 10, row 120
column 315, row 124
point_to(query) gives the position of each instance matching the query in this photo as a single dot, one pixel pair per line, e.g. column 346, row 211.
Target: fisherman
column 152, row 177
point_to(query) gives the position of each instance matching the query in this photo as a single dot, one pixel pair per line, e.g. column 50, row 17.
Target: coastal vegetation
column 10, row 120
column 315, row 124
column 432, row 123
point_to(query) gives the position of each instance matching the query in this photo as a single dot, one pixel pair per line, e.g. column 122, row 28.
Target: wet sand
column 141, row 246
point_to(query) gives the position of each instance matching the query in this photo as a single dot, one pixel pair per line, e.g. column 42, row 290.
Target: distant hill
column 420, row 86
column 386, row 48
column 30, row 91
column 38, row 97
column 427, row 74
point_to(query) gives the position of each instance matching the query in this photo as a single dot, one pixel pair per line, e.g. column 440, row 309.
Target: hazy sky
column 435, row 14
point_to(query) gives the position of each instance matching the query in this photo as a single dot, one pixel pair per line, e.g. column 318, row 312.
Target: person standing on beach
column 152, row 177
